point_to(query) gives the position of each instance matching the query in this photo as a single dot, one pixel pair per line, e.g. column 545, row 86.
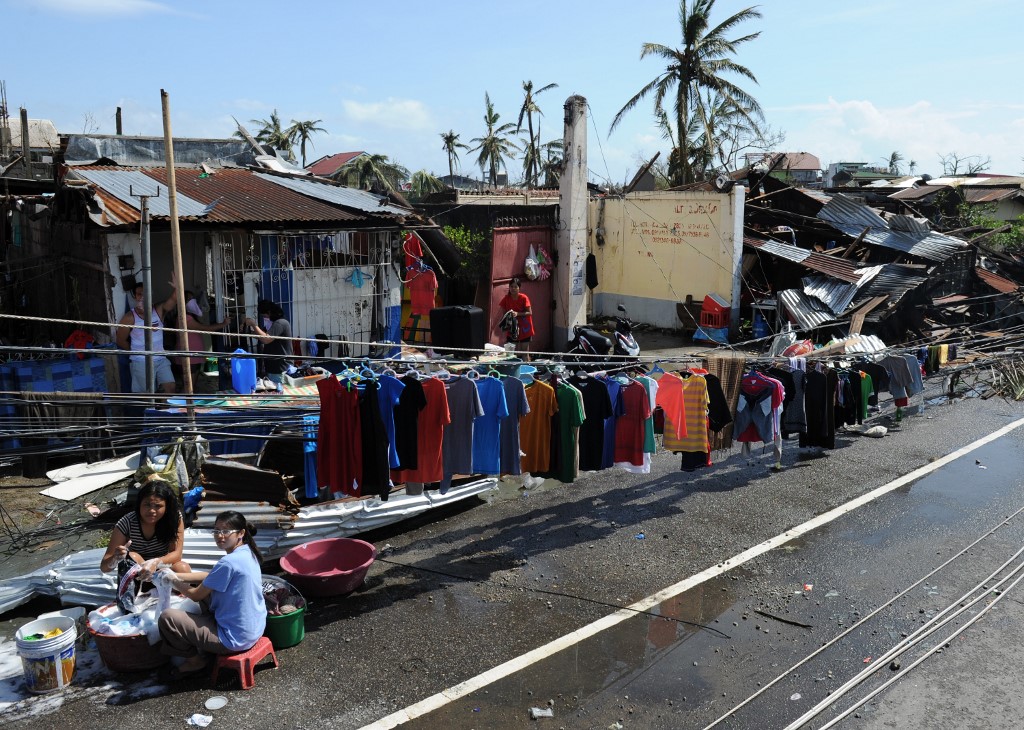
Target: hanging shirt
column 422, row 289
column 695, row 408
column 615, row 398
column 597, row 407
column 487, row 428
column 670, row 398
column 339, row 447
column 571, row 416
column 535, row 427
column 430, row 434
column 375, row 477
column 650, row 446
column 411, row 403
column 388, row 396
column 629, row 430
column 518, row 406
column 464, row 407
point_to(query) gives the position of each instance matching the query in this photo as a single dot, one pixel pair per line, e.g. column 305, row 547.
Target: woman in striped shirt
column 155, row 531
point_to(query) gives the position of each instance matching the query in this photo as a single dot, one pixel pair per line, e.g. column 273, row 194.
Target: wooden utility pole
column 179, row 282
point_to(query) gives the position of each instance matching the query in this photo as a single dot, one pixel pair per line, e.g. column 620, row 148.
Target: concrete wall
column 654, row 248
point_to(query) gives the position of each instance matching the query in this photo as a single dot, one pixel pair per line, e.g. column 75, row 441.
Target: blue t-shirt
column 390, row 390
column 237, row 599
column 487, row 428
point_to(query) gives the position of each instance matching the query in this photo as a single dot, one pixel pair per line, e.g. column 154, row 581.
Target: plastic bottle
column 243, row 372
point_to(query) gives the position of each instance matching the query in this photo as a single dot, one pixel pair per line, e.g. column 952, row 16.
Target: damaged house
column 833, row 266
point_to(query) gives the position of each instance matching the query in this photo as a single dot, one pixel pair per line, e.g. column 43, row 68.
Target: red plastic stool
column 244, row 662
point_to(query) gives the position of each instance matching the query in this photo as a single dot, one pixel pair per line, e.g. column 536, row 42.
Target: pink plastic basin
column 331, row 567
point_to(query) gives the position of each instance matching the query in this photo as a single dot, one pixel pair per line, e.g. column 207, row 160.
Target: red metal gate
column 511, row 246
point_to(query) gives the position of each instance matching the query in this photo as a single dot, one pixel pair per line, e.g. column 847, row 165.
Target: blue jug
column 243, row 372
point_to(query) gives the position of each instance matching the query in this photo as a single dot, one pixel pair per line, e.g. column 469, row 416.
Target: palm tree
column 451, row 145
column 370, row 171
column 912, row 166
column 551, row 161
column 302, row 132
column 494, row 146
column 705, row 56
column 531, row 160
column 272, row 133
column 424, row 183
column 893, row 163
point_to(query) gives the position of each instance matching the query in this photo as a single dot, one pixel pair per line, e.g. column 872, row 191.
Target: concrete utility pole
column 571, row 241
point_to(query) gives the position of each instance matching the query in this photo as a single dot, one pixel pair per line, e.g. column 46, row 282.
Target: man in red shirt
column 518, row 304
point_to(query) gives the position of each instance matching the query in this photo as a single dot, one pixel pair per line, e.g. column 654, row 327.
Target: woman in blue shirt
column 234, row 611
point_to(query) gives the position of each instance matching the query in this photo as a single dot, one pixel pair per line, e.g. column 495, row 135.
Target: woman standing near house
column 517, row 304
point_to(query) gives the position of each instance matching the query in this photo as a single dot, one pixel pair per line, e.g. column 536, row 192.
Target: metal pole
column 179, row 279
column 147, row 295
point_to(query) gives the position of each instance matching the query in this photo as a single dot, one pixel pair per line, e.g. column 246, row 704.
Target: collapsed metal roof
column 808, row 311
column 831, row 265
column 901, row 233
column 837, row 296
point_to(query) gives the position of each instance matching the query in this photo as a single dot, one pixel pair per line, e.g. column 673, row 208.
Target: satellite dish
column 723, row 184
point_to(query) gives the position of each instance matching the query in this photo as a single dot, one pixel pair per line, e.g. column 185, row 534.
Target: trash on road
column 537, row 712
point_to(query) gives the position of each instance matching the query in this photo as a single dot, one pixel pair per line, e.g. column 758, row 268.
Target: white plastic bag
column 532, row 266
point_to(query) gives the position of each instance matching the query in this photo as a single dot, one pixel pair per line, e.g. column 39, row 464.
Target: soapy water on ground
column 91, row 680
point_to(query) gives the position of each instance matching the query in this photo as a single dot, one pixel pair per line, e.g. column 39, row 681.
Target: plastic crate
column 714, row 320
column 319, row 374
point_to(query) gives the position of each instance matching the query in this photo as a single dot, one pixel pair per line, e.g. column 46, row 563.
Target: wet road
column 477, row 588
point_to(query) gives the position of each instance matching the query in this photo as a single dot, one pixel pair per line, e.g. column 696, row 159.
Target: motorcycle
column 589, row 345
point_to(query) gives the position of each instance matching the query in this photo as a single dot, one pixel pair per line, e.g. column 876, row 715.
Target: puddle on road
column 671, row 647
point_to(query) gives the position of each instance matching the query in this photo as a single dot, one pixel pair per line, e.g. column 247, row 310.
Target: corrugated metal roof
column 831, row 265
column 330, row 165
column 241, row 196
column 122, row 183
column 834, row 295
column 807, row 311
column 337, row 194
column 852, row 218
column 997, row 282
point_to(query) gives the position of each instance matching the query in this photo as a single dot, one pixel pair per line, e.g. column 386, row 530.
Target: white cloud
column 403, row 114
column 859, row 131
column 106, row 7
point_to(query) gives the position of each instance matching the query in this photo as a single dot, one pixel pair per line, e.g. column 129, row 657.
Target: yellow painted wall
column 660, row 246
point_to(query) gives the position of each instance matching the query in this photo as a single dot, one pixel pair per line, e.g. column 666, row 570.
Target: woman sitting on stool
column 234, row 610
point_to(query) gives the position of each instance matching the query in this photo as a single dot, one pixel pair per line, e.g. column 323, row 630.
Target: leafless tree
column 89, row 123
column 956, row 164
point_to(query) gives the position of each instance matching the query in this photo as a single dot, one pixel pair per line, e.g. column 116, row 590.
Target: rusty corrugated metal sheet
column 241, row 197
column 997, row 282
column 852, row 218
column 831, row 265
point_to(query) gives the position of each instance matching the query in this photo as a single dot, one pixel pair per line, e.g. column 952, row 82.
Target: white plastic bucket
column 49, row 664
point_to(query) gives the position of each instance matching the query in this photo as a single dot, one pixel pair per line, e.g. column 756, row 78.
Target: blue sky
column 844, row 81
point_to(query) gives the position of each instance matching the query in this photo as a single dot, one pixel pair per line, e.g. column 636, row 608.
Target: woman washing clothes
column 152, row 535
column 231, row 595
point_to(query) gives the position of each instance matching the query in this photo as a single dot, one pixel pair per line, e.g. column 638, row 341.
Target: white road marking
column 447, row 696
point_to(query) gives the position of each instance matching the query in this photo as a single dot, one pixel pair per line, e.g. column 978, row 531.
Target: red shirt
column 519, row 304
column 422, row 289
column 429, row 437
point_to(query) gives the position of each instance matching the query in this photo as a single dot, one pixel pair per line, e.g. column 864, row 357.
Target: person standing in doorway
column 274, row 333
column 130, row 336
column 516, row 304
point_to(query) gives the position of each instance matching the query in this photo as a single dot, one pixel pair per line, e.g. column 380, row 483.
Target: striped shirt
column 148, row 548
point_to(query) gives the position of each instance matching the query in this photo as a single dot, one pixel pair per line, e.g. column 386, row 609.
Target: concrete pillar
column 570, row 292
